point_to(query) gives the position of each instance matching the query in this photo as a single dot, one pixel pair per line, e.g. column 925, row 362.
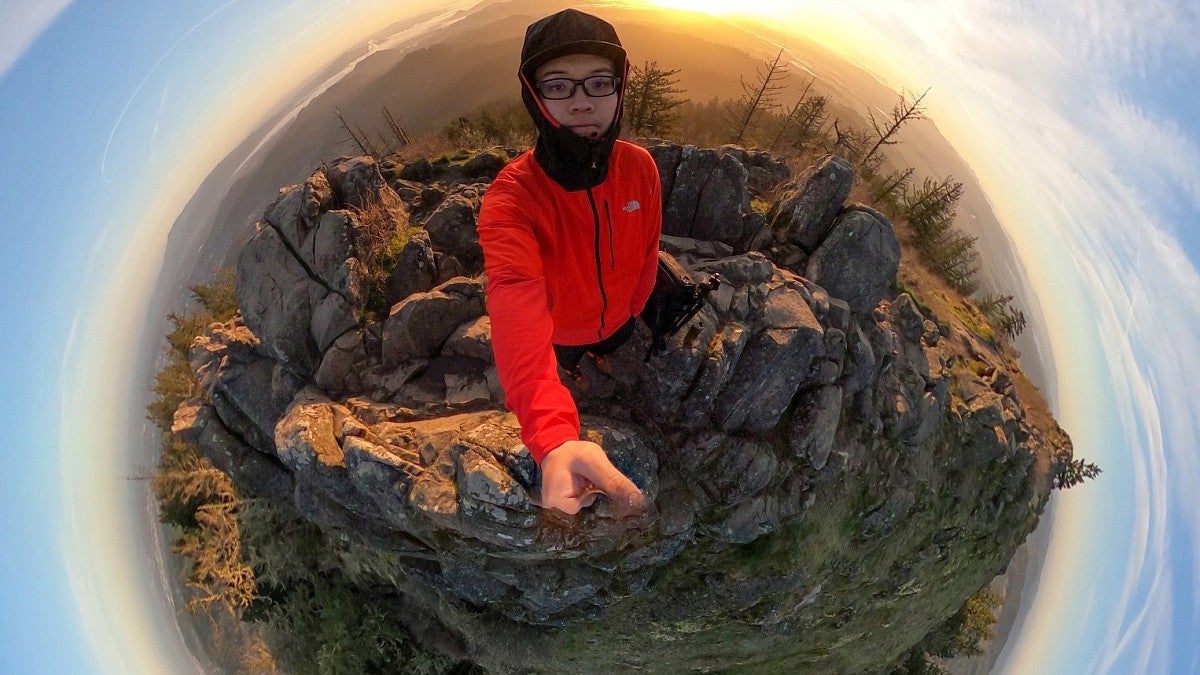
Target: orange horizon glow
column 744, row 8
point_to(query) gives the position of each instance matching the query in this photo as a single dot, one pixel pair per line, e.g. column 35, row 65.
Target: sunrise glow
column 748, row 8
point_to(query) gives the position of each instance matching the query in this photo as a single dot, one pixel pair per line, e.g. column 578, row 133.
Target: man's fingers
column 566, row 503
column 606, row 477
column 577, row 471
column 622, row 492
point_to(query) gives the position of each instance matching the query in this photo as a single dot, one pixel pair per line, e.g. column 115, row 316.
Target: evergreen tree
column 953, row 257
column 1072, row 472
column 931, row 208
column 802, row 123
column 947, row 252
column 890, row 187
column 886, row 130
column 1004, row 316
column 651, row 100
column 757, row 99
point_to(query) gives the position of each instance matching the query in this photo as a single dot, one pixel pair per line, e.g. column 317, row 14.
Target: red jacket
column 566, row 268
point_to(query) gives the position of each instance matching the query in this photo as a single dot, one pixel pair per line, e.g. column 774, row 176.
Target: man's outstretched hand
column 574, row 473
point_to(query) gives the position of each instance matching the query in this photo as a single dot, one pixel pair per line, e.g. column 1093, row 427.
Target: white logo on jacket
column 632, row 206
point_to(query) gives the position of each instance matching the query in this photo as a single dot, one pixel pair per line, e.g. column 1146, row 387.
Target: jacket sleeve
column 521, row 326
column 650, row 261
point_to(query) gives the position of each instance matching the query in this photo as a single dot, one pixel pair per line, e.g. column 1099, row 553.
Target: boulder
column 764, row 171
column 358, row 184
column 706, row 196
column 813, row 428
column 299, row 206
column 419, row 325
column 451, row 228
column 300, row 298
column 805, row 214
column 485, row 165
column 859, row 259
column 415, row 270
column 473, row 338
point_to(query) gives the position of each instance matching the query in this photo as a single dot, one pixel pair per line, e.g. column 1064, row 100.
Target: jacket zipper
column 612, row 256
column 599, row 265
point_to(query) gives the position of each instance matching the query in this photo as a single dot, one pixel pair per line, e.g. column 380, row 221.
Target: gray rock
column 473, row 338
column 419, row 170
column 666, row 157
column 451, row 228
column 688, row 248
column 813, row 428
column 858, row 261
column 249, row 390
column 256, row 473
column 343, row 364
column 724, row 351
column 357, row 182
column 765, row 172
column 748, row 268
column 419, row 325
column 485, row 165
column 806, row 213
column 338, row 313
column 466, row 390
column 284, row 290
column 415, row 270
column 705, row 196
column 750, row 520
column 907, row 317
column 277, row 296
column 776, row 362
column 299, row 206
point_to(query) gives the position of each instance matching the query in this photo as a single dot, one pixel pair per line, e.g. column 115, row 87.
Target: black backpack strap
column 676, row 298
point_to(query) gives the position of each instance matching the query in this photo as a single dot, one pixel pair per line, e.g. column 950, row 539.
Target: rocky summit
column 831, row 470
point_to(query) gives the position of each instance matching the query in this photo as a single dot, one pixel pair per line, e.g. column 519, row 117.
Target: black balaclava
column 572, row 161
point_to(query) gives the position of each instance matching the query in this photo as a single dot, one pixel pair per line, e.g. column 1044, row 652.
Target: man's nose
column 580, row 101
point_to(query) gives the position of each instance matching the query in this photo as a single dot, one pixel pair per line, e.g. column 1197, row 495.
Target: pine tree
column 886, row 130
column 761, row 97
column 651, row 100
column 947, row 252
column 1007, row 318
column 890, row 187
column 1072, row 472
column 953, row 257
column 803, row 121
column 931, row 208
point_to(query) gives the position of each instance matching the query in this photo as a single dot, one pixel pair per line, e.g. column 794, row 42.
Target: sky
column 1081, row 122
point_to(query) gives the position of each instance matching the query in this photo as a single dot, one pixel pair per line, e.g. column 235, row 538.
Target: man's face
column 587, row 116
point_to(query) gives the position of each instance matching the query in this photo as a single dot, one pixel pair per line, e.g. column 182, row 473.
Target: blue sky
column 1081, row 122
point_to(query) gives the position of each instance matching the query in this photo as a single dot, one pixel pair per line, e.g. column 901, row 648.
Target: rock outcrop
column 817, row 451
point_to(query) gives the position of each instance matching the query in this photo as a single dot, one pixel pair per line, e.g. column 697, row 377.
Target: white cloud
column 23, row 22
column 1157, row 152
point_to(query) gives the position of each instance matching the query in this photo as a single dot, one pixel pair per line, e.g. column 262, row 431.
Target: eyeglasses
column 596, row 86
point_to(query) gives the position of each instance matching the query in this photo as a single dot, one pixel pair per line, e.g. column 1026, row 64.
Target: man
column 570, row 235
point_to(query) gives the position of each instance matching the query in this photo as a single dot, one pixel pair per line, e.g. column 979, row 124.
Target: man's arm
column 522, row 330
